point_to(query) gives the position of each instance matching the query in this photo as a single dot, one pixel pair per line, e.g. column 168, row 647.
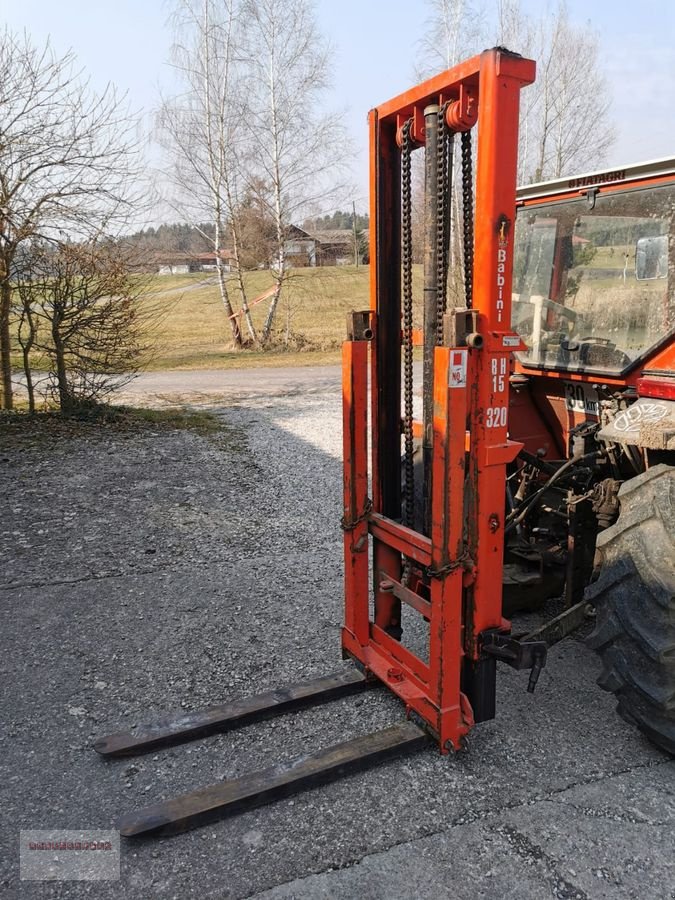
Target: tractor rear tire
column 634, row 598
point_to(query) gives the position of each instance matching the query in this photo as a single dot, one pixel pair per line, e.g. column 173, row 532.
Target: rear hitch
column 516, row 653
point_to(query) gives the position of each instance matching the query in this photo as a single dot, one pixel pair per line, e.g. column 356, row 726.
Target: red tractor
column 593, row 494
column 561, row 362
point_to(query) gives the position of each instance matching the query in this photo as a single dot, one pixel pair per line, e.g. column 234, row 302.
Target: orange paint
column 461, row 581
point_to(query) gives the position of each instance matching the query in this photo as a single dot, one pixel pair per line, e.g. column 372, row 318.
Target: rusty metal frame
column 463, row 555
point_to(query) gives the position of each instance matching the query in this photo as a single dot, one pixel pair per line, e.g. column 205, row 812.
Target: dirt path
column 209, row 386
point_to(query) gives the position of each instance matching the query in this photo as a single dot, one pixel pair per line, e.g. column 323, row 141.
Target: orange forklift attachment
column 448, row 570
column 458, row 563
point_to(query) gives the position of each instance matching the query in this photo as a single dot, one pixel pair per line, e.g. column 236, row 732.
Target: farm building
column 322, row 248
column 171, row 262
column 209, row 263
column 299, row 248
column 335, row 247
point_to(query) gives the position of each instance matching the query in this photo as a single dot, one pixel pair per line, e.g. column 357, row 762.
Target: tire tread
column 634, row 598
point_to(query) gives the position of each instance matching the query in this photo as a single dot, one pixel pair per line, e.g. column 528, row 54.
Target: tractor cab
column 592, row 298
column 590, row 279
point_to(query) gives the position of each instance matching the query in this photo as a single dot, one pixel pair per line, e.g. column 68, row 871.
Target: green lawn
column 194, row 331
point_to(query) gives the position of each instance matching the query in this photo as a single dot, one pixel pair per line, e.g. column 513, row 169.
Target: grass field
column 190, row 329
column 194, row 331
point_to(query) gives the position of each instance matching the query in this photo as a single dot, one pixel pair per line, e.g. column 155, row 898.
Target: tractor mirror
column 651, row 258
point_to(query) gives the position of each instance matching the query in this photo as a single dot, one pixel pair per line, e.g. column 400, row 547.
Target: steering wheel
column 607, row 351
column 526, row 324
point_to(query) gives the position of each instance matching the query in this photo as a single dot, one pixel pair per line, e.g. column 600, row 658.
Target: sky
column 376, row 47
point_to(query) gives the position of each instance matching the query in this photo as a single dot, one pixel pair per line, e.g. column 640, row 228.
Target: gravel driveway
column 148, row 569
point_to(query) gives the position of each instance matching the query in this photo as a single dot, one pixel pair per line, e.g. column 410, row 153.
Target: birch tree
column 565, row 117
column 200, row 128
column 565, row 123
column 297, row 153
column 68, row 162
column 454, row 31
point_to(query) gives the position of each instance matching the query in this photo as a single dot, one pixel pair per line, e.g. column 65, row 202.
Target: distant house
column 322, row 248
column 335, row 247
column 299, row 248
column 209, row 261
column 173, row 262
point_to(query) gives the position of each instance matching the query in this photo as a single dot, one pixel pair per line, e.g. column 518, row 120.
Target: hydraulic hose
column 513, row 521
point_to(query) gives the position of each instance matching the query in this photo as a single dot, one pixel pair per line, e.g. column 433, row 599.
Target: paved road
column 214, row 387
column 198, row 386
column 211, row 387
column 189, row 286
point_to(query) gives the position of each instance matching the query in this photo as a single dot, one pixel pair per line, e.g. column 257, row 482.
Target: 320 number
column 496, row 417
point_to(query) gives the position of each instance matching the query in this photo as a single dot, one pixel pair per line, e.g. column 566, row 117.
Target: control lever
column 517, row 654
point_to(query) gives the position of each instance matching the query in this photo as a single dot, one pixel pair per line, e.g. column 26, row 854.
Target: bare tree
column 88, row 316
column 565, row 117
column 27, row 334
column 256, row 227
column 297, row 154
column 454, row 30
column 68, row 159
column 200, row 128
column 565, row 121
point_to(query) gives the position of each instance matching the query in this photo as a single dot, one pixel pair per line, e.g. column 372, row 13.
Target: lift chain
column 350, row 524
column 444, row 177
column 463, row 561
column 467, row 215
column 406, row 238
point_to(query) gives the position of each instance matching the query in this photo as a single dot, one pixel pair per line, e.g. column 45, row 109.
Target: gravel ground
column 148, row 569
